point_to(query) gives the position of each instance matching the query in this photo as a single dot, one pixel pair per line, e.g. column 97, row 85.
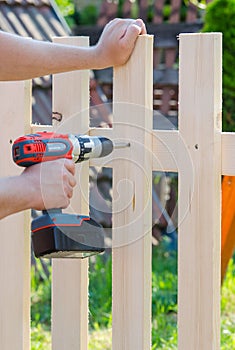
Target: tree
column 219, row 17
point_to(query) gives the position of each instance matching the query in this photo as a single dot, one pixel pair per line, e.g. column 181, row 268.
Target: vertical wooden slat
column 175, row 11
column 126, row 9
column 158, row 11
column 143, row 9
column 200, row 106
column 70, row 276
column 192, row 12
column 108, row 11
column 132, row 176
column 14, row 230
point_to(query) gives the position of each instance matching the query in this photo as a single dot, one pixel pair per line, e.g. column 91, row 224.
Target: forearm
column 23, row 58
column 13, row 197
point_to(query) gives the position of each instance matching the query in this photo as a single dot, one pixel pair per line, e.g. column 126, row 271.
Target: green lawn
column 164, row 305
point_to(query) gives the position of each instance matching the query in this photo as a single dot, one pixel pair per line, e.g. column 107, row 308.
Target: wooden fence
column 198, row 151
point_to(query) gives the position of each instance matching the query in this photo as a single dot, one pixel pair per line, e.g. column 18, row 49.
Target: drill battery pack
column 60, row 235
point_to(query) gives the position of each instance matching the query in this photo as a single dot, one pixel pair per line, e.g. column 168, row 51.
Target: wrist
column 30, row 189
column 97, row 62
column 26, row 192
column 14, row 196
column 104, row 58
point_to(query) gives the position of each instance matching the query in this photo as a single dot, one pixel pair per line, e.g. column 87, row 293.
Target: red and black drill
column 56, row 234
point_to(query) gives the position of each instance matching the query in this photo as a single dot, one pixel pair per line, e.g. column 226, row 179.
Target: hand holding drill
column 55, row 234
column 51, row 183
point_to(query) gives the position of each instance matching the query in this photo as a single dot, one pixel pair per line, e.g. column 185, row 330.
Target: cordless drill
column 56, row 234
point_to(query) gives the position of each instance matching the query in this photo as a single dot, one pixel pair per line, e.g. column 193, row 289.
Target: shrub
column 219, row 17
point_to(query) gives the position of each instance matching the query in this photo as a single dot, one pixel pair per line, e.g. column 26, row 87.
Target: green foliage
column 164, row 303
column 100, row 339
column 87, row 16
column 228, row 309
column 164, row 281
column 219, row 17
column 40, row 338
column 40, row 308
column 164, row 298
column 201, row 4
column 100, row 292
column 67, row 9
column 40, row 297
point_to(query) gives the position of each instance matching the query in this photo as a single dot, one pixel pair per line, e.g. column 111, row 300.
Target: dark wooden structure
column 165, row 20
column 40, row 20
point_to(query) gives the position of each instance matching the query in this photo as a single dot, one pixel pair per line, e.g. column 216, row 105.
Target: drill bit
column 120, row 144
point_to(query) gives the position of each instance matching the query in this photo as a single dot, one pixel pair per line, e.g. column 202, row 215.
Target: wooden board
column 228, row 153
column 167, row 146
column 132, row 200
column 14, row 230
column 70, row 277
column 200, row 106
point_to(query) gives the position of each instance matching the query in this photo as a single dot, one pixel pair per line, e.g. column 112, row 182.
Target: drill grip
column 36, row 148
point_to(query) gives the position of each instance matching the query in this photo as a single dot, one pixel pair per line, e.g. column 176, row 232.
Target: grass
column 228, row 309
column 100, row 339
column 40, row 309
column 164, row 305
column 40, row 338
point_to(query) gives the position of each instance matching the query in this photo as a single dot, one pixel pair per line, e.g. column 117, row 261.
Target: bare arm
column 21, row 58
column 41, row 186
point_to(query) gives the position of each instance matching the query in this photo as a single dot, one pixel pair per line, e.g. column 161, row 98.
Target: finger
column 70, row 166
column 119, row 26
column 65, row 204
column 72, row 180
column 131, row 34
column 69, row 191
column 68, row 179
column 141, row 24
column 117, row 29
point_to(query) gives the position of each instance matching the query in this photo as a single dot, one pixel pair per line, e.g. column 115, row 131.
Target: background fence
column 198, row 151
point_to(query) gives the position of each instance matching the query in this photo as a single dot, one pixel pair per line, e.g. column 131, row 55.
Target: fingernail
column 139, row 22
column 137, row 27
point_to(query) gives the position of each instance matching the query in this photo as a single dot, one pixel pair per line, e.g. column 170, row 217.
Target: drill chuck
column 86, row 147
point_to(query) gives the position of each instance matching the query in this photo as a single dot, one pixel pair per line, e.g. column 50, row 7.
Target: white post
column 70, row 276
column 199, row 191
column 132, row 201
column 14, row 230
